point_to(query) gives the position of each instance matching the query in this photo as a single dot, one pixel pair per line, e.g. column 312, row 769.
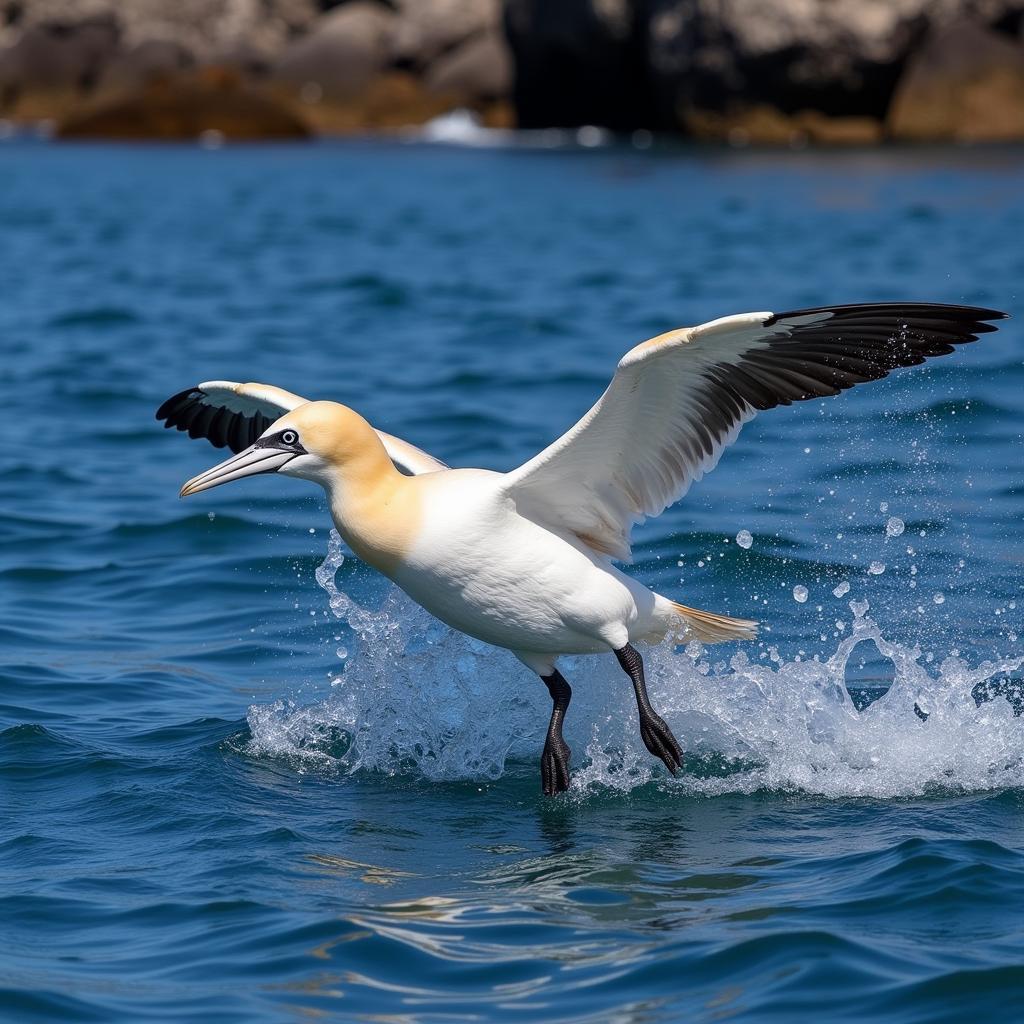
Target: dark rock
column 729, row 57
column 212, row 103
column 579, row 62
column 705, row 66
column 965, row 83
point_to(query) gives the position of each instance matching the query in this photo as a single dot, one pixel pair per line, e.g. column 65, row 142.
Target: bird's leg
column 554, row 762
column 657, row 736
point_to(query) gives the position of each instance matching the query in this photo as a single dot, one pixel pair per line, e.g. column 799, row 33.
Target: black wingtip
column 951, row 312
column 192, row 410
column 175, row 402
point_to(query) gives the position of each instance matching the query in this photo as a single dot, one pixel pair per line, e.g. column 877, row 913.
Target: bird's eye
column 289, row 437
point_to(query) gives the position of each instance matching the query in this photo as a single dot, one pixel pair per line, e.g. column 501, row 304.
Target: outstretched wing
column 678, row 400
column 232, row 415
column 227, row 414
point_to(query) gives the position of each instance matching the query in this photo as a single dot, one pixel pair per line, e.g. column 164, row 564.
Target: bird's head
column 320, row 441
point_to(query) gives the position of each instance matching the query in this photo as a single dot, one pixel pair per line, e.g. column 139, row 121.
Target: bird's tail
column 709, row 628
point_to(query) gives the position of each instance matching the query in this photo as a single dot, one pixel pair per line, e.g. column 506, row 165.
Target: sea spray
column 419, row 699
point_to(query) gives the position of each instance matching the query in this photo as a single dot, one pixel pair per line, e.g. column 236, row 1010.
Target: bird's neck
column 375, row 508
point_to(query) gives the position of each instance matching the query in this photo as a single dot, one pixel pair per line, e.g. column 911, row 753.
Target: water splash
column 418, row 699
column 415, row 697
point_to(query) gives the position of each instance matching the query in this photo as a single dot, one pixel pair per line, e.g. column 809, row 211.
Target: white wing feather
column 640, row 447
column 678, row 400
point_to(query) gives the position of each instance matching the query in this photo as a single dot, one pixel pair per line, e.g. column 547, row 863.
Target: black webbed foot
column 554, row 766
column 554, row 761
column 658, row 739
column 657, row 736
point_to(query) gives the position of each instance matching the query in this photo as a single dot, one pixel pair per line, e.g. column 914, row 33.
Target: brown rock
column 966, row 83
column 393, row 100
column 764, row 125
column 187, row 107
column 478, row 71
column 344, row 51
column 840, row 131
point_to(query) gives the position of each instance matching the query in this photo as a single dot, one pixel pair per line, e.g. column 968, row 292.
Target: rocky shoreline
column 738, row 71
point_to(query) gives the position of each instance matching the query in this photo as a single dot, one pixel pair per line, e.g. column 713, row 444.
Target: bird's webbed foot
column 554, row 766
column 658, row 739
column 554, row 761
column 654, row 731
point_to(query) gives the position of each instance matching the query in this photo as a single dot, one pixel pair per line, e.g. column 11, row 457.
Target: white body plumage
column 484, row 569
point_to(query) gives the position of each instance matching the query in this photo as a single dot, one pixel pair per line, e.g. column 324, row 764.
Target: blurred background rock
column 743, row 71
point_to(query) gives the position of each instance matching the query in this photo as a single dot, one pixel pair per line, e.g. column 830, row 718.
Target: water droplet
column 800, row 593
column 883, row 507
column 843, row 588
column 939, row 597
column 744, row 539
column 342, row 653
column 876, row 568
column 894, row 527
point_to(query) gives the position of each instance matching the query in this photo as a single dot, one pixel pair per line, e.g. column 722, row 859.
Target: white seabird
column 525, row 560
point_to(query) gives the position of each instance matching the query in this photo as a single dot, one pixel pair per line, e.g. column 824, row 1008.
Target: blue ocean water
column 243, row 779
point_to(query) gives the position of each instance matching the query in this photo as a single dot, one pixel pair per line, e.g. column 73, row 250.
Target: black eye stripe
column 286, row 440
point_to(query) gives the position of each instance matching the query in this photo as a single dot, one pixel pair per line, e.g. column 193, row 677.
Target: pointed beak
column 253, row 461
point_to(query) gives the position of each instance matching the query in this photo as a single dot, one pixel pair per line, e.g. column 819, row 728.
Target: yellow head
column 321, row 441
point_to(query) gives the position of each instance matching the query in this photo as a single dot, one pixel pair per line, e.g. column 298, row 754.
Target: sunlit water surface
column 242, row 779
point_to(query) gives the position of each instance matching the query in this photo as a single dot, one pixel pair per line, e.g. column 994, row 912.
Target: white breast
column 482, row 568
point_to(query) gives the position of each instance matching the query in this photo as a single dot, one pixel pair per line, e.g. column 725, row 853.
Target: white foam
column 418, row 699
column 463, row 127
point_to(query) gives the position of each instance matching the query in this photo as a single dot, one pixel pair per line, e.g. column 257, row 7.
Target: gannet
column 526, row 559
